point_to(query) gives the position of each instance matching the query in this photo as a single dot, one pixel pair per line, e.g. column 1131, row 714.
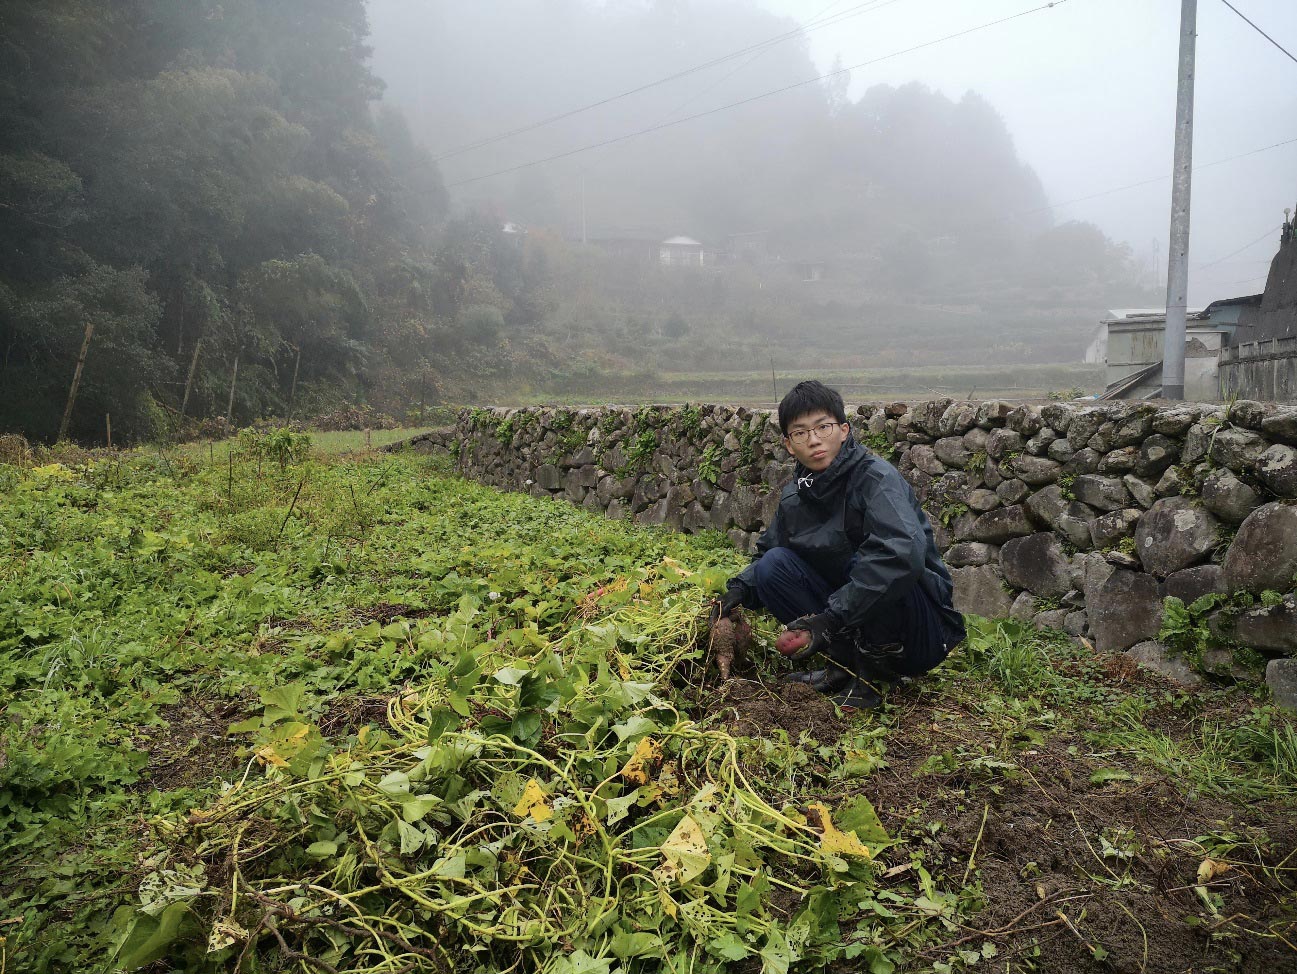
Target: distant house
column 808, row 270
column 751, row 246
column 630, row 242
column 515, row 233
column 1134, row 340
column 680, row 252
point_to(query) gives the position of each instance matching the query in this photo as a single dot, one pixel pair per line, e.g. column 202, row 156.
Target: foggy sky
column 1088, row 91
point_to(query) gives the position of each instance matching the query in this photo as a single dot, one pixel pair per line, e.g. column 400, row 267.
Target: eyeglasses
column 821, row 431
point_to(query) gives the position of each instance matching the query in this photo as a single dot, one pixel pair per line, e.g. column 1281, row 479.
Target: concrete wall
column 1135, row 345
column 1278, row 314
column 1083, row 518
column 1264, row 370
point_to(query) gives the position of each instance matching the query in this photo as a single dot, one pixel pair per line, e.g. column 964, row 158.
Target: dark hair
column 811, row 396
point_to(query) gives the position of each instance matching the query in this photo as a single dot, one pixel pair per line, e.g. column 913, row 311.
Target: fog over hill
column 917, row 204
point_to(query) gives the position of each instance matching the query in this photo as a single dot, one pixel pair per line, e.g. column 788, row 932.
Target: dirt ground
column 1076, row 875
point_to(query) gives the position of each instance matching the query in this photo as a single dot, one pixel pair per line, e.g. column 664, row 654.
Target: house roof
column 1131, row 316
column 681, row 242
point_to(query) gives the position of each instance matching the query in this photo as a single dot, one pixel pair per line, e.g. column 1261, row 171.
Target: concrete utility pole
column 1177, row 256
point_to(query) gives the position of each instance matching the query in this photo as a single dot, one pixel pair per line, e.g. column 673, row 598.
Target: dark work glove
column 735, row 595
column 822, row 627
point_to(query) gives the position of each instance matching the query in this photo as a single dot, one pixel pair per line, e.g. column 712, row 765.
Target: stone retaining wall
column 1084, row 518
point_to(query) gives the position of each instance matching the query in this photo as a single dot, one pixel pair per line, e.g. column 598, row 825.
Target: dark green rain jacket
column 859, row 519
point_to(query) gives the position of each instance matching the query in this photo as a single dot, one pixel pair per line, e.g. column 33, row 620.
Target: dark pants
column 790, row 588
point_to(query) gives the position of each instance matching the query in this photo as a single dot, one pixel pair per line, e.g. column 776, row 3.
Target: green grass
column 1025, row 381
column 331, row 443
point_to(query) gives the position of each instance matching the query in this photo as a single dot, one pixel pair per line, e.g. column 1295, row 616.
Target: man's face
column 815, row 439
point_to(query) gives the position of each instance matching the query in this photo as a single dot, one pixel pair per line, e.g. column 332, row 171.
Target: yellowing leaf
column 269, row 756
column 668, row 904
column 1209, row 869
column 684, row 853
column 835, row 841
column 647, row 753
column 534, row 803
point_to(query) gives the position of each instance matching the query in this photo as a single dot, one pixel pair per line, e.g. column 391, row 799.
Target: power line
column 753, row 98
column 1155, row 179
column 768, row 42
column 1222, row 260
column 733, row 71
column 759, row 54
column 1259, row 30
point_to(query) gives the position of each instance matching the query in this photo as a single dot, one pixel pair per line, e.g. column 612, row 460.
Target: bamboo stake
column 76, row 382
column 292, row 392
column 229, row 409
column 189, row 382
column 108, row 421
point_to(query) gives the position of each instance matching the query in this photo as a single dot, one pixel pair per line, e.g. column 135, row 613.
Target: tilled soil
column 1078, row 872
column 1096, row 876
column 192, row 747
column 752, row 709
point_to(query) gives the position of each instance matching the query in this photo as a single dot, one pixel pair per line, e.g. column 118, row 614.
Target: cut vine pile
column 277, row 712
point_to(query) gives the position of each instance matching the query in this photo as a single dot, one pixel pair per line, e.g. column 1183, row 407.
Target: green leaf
column 415, row 807
column 442, row 720
column 858, row 815
column 579, row 962
column 1104, row 775
column 635, row 726
column 626, row 945
column 282, row 702
column 449, row 867
column 395, row 783
column 150, row 937
column 537, row 692
column 526, row 726
column 619, row 808
column 322, row 849
column 728, row 947
column 776, row 955
column 411, row 838
column 510, row 676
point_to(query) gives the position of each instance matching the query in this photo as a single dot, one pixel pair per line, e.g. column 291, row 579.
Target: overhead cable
column 1155, row 179
column 1259, row 30
column 755, row 57
column 753, row 98
column 1246, row 246
column 768, row 42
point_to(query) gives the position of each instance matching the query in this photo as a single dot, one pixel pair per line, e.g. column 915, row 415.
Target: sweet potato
column 723, row 646
column 791, row 640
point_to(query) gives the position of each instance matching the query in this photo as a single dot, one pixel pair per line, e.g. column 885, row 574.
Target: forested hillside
column 206, row 185
column 222, row 206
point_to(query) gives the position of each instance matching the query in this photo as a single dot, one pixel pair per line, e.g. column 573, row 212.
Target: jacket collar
column 817, row 485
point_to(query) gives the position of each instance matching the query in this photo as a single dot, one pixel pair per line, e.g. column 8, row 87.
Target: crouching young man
column 848, row 563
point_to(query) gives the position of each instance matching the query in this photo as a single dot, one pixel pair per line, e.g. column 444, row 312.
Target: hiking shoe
column 857, row 695
column 803, row 676
column 831, row 679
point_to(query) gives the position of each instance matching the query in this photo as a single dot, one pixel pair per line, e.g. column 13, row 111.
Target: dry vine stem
column 444, row 836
